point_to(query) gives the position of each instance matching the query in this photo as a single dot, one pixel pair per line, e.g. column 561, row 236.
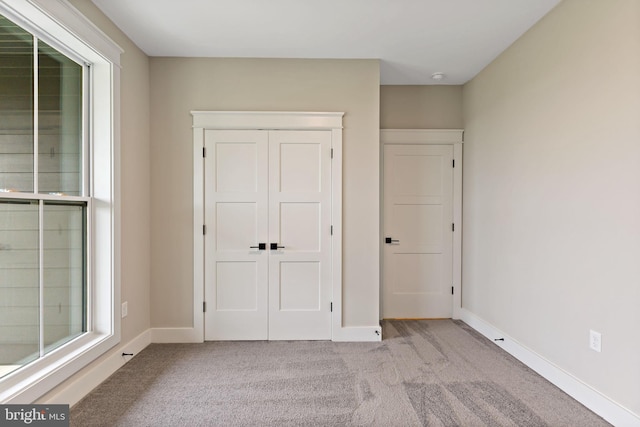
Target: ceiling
column 412, row 38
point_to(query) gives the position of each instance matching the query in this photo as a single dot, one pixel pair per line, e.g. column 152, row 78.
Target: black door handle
column 275, row 247
column 260, row 247
column 390, row 240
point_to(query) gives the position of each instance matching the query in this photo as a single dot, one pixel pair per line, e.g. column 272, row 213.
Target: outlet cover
column 125, row 309
column 595, row 341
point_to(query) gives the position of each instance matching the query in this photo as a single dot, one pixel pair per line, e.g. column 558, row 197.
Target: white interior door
column 300, row 222
column 418, row 217
column 236, row 214
column 269, row 187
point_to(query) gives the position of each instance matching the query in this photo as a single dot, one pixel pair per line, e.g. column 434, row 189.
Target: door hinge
column 204, row 229
column 332, row 153
column 204, row 306
column 453, row 227
column 453, row 163
column 452, row 290
column 204, row 151
column 462, row 136
column 332, row 307
column 332, row 230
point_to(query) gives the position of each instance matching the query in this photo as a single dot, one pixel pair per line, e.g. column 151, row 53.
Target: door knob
column 390, row 240
column 275, row 247
column 260, row 247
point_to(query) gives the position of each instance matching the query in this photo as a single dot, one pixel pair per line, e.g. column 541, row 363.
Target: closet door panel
column 300, row 222
column 236, row 212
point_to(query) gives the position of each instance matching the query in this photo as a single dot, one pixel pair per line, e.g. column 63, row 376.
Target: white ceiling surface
column 412, row 38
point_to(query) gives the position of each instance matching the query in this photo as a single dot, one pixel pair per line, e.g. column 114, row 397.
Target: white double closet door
column 267, row 189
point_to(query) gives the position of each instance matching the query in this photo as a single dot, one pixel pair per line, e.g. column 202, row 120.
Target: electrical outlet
column 125, row 309
column 595, row 341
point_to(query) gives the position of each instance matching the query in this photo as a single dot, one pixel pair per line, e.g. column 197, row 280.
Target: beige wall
column 420, row 107
column 135, row 181
column 180, row 85
column 551, row 200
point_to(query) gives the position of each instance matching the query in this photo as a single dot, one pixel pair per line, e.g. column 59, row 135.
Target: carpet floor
column 424, row 373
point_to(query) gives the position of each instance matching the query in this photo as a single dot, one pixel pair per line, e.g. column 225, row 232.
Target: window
column 43, row 202
column 59, row 222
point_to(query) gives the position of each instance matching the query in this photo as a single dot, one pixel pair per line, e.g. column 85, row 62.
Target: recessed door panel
column 417, row 175
column 236, row 166
column 300, row 165
column 300, row 286
column 417, row 273
column 419, row 227
column 300, row 225
column 237, row 286
column 418, row 215
column 236, row 226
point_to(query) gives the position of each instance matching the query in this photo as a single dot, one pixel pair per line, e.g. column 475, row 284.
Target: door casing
column 454, row 137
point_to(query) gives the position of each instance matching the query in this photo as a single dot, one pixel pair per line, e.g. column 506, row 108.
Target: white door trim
column 265, row 120
column 453, row 137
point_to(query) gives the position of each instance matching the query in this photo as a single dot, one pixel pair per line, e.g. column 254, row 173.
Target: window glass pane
column 59, row 122
column 19, row 285
column 64, row 273
column 16, row 108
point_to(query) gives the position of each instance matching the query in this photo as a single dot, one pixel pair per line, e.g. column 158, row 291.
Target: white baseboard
column 191, row 335
column 175, row 335
column 78, row 388
column 611, row 411
column 358, row 334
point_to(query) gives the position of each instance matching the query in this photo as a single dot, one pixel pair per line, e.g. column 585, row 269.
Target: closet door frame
column 261, row 120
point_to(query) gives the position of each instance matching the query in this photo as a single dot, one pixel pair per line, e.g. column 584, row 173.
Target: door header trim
column 267, row 120
column 421, row 136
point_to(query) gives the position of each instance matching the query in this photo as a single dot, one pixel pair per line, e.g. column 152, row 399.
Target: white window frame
column 61, row 26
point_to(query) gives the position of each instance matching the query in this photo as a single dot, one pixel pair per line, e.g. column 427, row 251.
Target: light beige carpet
column 429, row 373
